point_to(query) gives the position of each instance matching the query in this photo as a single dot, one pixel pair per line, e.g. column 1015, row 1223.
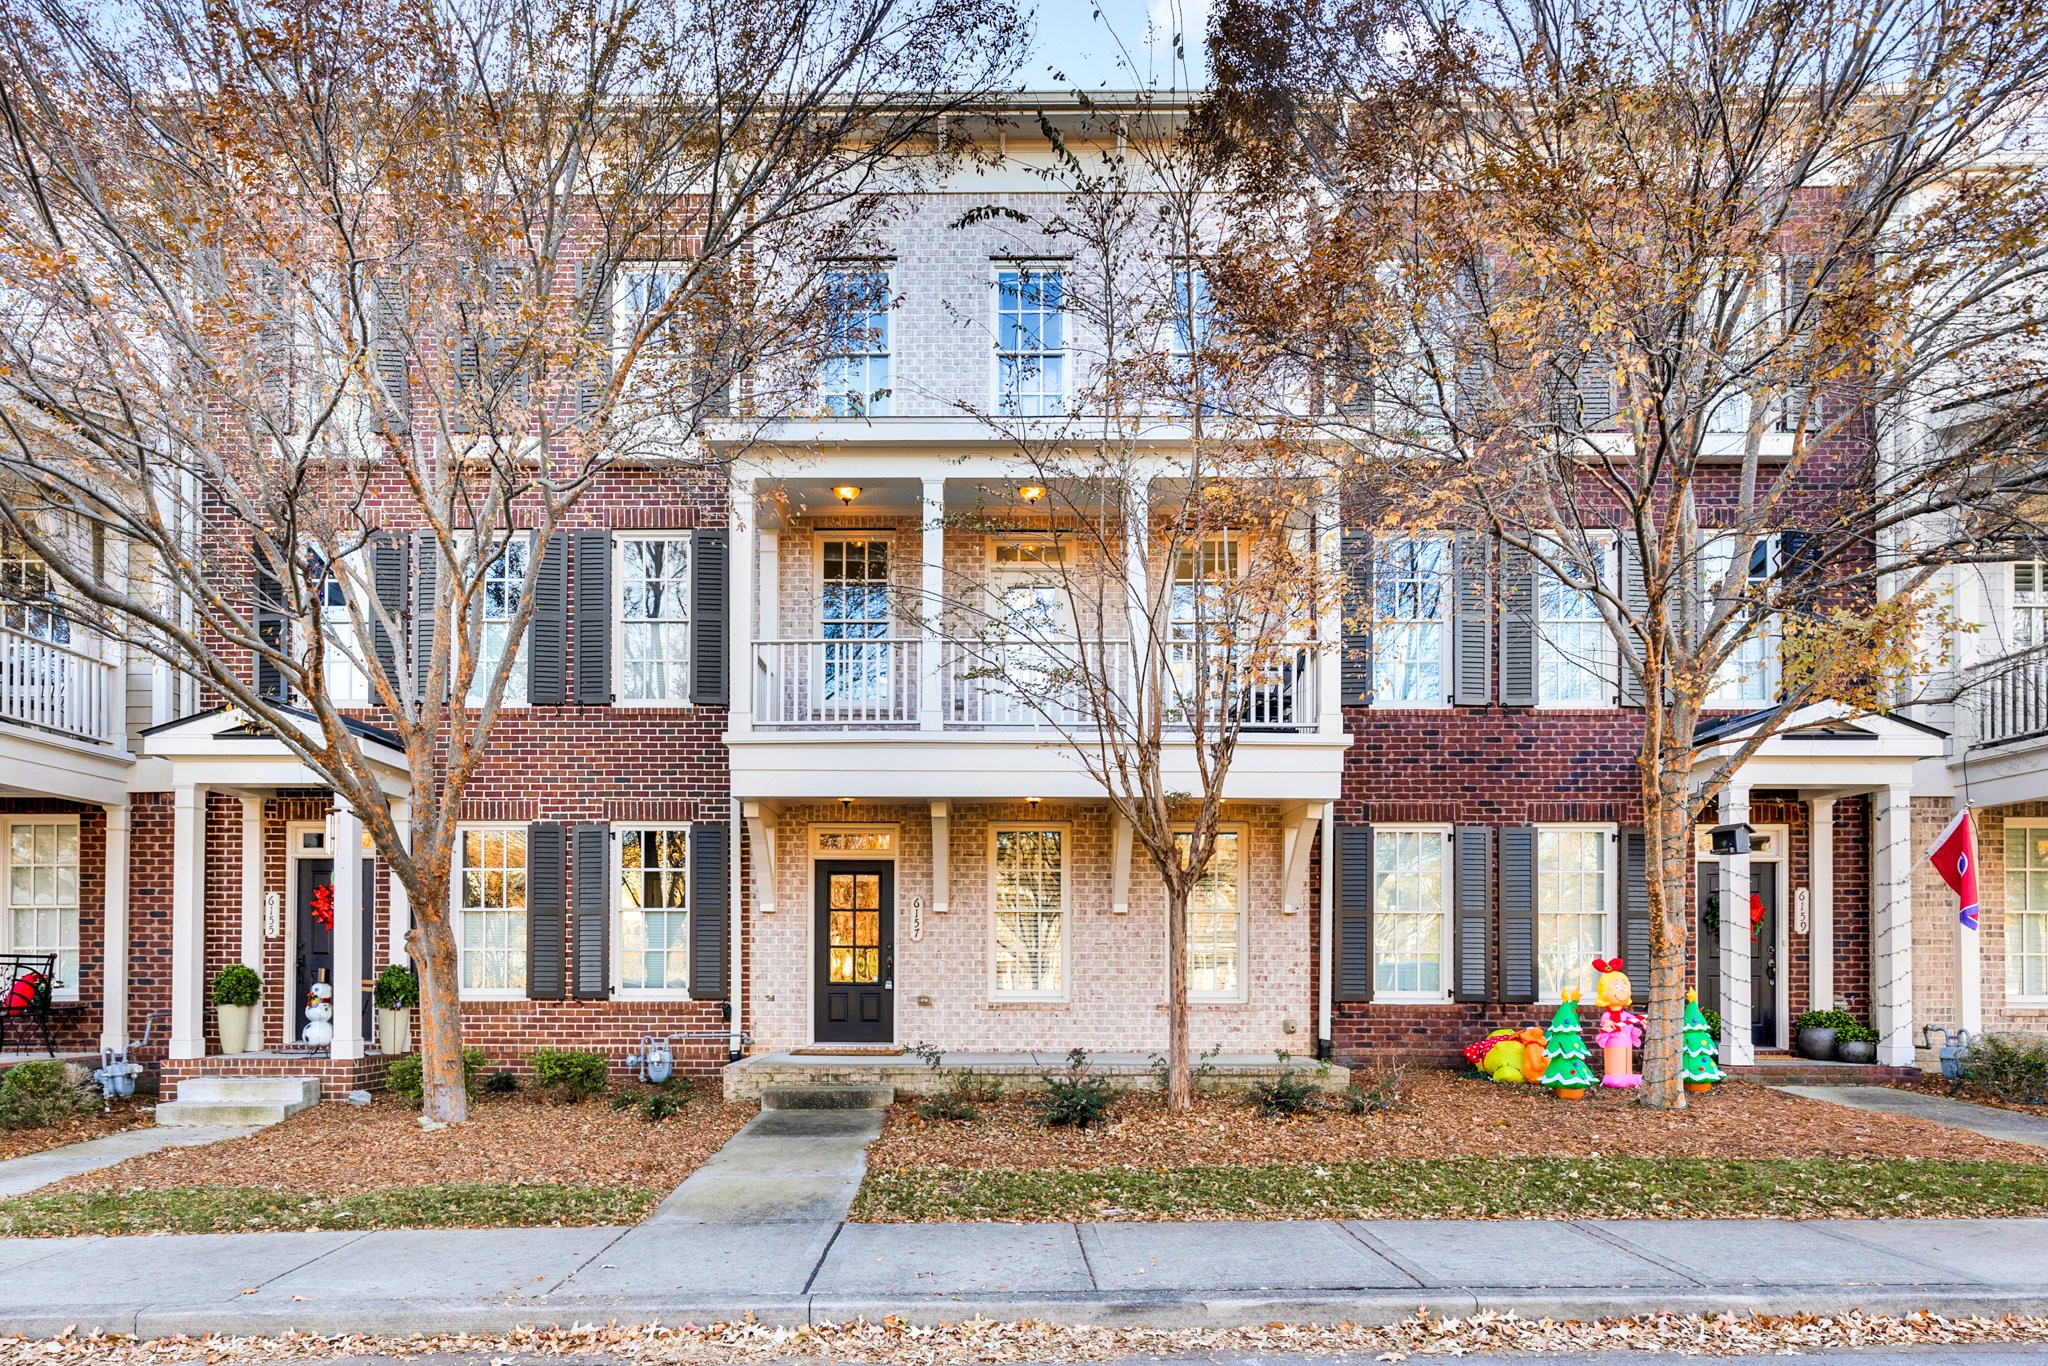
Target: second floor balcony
column 59, row 686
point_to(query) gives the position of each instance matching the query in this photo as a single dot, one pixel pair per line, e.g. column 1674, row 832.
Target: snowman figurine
column 319, row 1032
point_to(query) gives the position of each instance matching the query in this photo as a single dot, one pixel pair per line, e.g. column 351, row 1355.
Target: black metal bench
column 27, row 982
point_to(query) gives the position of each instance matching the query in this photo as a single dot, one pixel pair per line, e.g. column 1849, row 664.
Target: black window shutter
column 426, row 607
column 595, row 370
column 591, row 908
column 708, row 903
column 709, row 585
column 389, row 356
column 1355, row 550
column 1635, row 602
column 1471, row 621
column 1634, row 938
column 547, row 627
column 546, row 851
column 593, row 611
column 1596, row 392
column 272, row 627
column 1517, row 628
column 1798, row 324
column 1354, row 913
column 390, row 575
column 1518, row 914
column 1472, row 913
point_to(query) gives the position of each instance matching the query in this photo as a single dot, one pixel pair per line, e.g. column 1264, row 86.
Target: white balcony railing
column 1004, row 685
column 2008, row 700
column 836, row 684
column 57, row 688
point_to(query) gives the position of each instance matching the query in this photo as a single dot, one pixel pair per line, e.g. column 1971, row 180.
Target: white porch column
column 1330, row 628
column 188, row 922
column 399, row 916
column 1738, row 1047
column 1891, row 925
column 740, row 609
column 932, row 607
column 252, row 909
column 1138, row 591
column 1326, row 911
column 348, row 933
column 1820, row 942
column 114, row 931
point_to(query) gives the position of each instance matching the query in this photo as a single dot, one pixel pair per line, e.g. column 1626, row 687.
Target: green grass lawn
column 250, row 1209
column 1471, row 1188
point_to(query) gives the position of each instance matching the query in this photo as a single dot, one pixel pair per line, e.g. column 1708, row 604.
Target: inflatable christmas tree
column 1698, row 1067
column 1565, row 1046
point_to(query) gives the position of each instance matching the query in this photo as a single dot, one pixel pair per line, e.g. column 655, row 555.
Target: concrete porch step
column 237, row 1102
column 827, row 1097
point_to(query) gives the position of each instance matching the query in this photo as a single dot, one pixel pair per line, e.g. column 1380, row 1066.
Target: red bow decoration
column 323, row 907
column 1607, row 965
column 1756, row 913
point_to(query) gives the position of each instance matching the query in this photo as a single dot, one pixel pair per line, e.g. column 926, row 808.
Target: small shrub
column 1382, row 1096
column 1713, row 1022
column 1837, row 1020
column 500, row 1083
column 930, row 1054
column 659, row 1102
column 1078, row 1100
column 962, row 1097
column 1201, row 1072
column 1289, row 1092
column 1855, row 1033
column 237, row 985
column 2010, row 1066
column 34, row 1095
column 398, row 988
column 570, row 1074
column 406, row 1077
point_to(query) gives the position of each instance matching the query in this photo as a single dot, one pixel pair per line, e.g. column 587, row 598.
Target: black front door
column 316, row 941
column 856, row 952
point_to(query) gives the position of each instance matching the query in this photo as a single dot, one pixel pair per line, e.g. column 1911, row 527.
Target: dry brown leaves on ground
column 335, row 1149
column 1931, row 1085
column 1442, row 1114
column 73, row 1129
column 980, row 1340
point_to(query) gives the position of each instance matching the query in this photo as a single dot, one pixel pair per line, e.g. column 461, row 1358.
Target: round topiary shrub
column 237, row 985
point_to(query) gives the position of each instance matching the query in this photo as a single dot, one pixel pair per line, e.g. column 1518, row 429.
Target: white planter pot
column 234, row 1028
column 394, row 1031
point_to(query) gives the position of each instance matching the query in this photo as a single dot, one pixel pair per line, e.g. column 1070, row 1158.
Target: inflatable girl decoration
column 1620, row 1029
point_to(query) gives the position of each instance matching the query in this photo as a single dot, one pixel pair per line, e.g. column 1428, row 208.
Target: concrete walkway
column 784, row 1166
column 20, row 1175
column 1167, row 1275
column 2012, row 1125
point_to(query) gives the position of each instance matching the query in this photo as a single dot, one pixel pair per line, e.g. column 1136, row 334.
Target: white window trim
column 618, row 620
column 622, row 282
column 349, row 577
column 1065, row 269
column 1447, row 945
column 1610, row 932
column 1608, row 669
column 818, row 540
column 1066, row 991
column 455, row 908
column 64, row 991
column 514, row 697
column 2010, row 627
column 2008, row 914
column 1774, row 659
column 1000, row 578
column 296, row 851
column 887, row 270
column 1244, row 916
column 620, row 991
column 1445, row 632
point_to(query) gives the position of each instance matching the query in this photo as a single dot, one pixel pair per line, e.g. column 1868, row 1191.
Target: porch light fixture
column 1031, row 493
column 1033, row 802
column 846, row 493
column 845, row 804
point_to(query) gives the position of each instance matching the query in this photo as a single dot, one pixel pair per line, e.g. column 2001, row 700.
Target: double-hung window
column 855, row 375
column 41, row 887
column 1031, row 356
column 501, row 591
column 490, row 908
column 854, row 619
column 2029, row 604
column 347, row 686
column 1574, row 907
column 1029, row 901
column 653, row 924
column 1411, row 897
column 1574, row 651
column 28, row 594
column 652, row 633
column 1750, row 673
column 1216, row 920
column 1191, row 310
column 2026, row 909
column 1411, row 580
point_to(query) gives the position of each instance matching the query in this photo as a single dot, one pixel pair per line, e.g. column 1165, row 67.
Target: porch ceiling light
column 846, row 804
column 846, row 493
column 1031, row 493
column 1033, row 802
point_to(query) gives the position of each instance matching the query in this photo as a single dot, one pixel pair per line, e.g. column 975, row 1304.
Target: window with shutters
column 1750, row 674
column 1216, row 920
column 1575, row 664
column 347, row 685
column 651, row 914
column 2026, row 910
column 1031, row 345
column 39, row 873
column 1028, row 898
column 1411, row 923
column 651, row 637
column 490, row 911
column 28, row 593
column 1574, row 907
column 2029, row 604
column 502, row 590
column 855, row 379
column 1411, row 579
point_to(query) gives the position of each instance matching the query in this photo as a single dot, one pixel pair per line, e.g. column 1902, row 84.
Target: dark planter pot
column 1856, row 1052
column 1817, row 1044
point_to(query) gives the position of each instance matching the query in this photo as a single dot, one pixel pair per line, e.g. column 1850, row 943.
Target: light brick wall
column 1935, row 928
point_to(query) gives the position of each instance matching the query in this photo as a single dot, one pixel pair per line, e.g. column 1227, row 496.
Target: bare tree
column 1680, row 303
column 297, row 289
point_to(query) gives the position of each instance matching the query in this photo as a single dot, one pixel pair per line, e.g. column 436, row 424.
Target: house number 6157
column 917, row 917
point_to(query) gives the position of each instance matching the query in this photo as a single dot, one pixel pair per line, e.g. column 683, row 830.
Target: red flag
column 1954, row 856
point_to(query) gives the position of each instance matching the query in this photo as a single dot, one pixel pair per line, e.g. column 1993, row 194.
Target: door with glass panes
column 855, row 964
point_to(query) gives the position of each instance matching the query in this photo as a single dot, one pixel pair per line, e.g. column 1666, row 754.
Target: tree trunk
column 1667, row 834
column 433, row 950
column 1180, row 1087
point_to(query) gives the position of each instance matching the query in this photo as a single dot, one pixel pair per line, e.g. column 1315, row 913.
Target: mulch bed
column 74, row 1129
column 1442, row 1114
column 337, row 1150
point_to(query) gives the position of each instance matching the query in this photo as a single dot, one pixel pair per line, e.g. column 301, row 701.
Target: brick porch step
column 1790, row 1071
column 237, row 1102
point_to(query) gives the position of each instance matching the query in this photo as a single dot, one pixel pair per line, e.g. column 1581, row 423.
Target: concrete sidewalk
column 676, row 1269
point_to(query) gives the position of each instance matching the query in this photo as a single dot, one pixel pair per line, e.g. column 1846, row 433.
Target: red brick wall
column 75, row 1028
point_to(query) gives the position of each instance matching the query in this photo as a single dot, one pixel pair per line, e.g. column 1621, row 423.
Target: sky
column 1096, row 44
